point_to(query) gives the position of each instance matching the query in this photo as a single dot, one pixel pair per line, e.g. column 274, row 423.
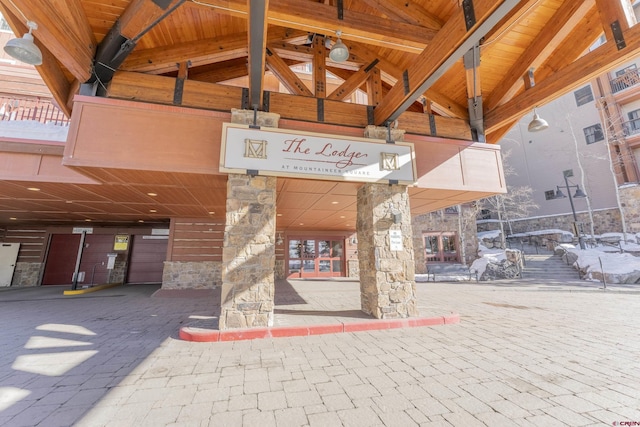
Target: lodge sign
column 282, row 152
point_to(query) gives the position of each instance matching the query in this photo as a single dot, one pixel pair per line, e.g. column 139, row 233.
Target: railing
column 43, row 111
column 631, row 127
column 628, row 79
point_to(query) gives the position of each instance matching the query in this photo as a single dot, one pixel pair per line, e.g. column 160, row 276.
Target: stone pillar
column 248, row 252
column 387, row 275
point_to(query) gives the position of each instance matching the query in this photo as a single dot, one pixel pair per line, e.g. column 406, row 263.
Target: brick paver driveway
column 521, row 356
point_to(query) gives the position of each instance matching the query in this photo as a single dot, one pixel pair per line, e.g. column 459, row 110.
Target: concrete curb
column 195, row 334
column 91, row 289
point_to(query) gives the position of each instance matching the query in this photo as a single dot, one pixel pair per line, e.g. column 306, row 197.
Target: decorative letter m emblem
column 255, row 149
column 389, row 162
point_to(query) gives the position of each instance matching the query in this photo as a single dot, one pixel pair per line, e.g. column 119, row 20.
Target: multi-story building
column 186, row 160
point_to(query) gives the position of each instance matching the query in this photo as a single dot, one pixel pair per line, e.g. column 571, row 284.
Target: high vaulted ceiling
column 417, row 46
column 484, row 63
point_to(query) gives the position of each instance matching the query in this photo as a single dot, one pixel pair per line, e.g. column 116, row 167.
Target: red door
column 61, row 259
column 147, row 259
column 315, row 257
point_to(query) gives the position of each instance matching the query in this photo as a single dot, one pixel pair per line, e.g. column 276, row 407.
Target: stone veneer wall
column 387, row 278
column 191, row 275
column 440, row 221
column 248, row 253
column 27, row 274
column 604, row 221
column 630, row 201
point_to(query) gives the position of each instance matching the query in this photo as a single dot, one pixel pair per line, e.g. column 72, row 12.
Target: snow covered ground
column 593, row 261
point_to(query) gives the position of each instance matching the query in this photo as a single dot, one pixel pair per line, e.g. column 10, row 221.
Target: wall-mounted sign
column 80, row 230
column 281, row 152
column 395, row 240
column 121, row 242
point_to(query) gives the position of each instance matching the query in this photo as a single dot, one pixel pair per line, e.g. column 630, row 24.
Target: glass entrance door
column 315, row 257
column 441, row 247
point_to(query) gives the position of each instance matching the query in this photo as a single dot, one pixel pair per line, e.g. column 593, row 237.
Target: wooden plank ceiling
column 462, row 60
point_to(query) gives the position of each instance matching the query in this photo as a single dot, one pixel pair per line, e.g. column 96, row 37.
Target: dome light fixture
column 24, row 49
column 537, row 124
column 339, row 51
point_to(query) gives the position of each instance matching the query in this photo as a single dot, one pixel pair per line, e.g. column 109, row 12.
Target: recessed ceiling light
column 302, row 223
column 342, row 216
column 153, row 210
column 33, row 189
column 13, row 218
column 69, row 201
column 278, row 214
column 334, row 202
column 87, row 220
column 141, row 220
column 152, row 194
column 212, row 213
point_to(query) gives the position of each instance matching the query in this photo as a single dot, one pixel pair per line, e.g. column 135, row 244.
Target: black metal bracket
column 405, row 81
column 370, row 116
column 266, row 96
column 245, row 98
column 432, row 125
column 469, row 13
column 393, row 182
column 617, row 35
column 255, row 120
column 253, row 172
column 389, row 139
column 320, row 109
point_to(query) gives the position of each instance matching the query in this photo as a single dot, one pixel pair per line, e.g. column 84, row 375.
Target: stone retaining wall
column 191, row 275
column 27, row 274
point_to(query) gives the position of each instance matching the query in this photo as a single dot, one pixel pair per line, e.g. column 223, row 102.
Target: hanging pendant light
column 339, row 51
column 24, row 49
column 537, row 124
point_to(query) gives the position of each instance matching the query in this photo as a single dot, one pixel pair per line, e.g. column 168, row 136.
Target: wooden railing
column 43, row 111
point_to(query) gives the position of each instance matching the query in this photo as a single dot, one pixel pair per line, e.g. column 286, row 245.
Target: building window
column 593, row 134
column 441, row 247
column 4, row 27
column 634, row 122
column 583, row 95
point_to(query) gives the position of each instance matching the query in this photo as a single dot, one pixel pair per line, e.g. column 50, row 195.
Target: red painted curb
column 207, row 335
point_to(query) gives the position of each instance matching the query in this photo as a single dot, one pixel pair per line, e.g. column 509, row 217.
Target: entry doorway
column 315, row 257
column 441, row 247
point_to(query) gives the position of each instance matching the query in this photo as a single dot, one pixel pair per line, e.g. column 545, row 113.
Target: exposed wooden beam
column 64, row 30
column 388, row 67
column 163, row 59
column 576, row 44
column 407, row 11
column 50, row 70
column 565, row 80
column 141, row 15
column 159, row 89
column 550, row 39
column 451, row 42
column 286, row 76
column 319, row 70
column 138, row 18
column 355, row 26
column 374, row 87
column 612, row 12
column 257, row 28
column 352, row 83
column 221, row 71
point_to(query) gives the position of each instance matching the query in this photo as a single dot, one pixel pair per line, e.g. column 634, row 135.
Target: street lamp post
column 579, row 194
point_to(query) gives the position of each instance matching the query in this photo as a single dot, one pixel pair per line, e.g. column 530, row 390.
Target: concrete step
column 548, row 266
